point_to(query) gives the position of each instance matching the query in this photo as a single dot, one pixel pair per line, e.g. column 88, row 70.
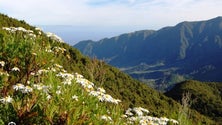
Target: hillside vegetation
column 205, row 97
column 46, row 81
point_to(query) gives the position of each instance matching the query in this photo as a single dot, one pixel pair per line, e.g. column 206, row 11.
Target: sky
column 95, row 19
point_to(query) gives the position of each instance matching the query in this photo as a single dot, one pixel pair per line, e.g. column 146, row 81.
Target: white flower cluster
column 139, row 114
column 22, row 88
column 39, row 30
column 75, row 97
column 86, row 84
column 54, row 37
column 42, row 87
column 20, row 29
column 139, row 111
column 67, row 78
column 103, row 97
column 2, row 63
column 107, row 118
column 4, row 73
column 16, row 69
column 100, row 93
column 6, row 100
column 58, row 50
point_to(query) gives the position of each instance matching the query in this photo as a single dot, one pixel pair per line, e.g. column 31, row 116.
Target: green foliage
column 205, row 97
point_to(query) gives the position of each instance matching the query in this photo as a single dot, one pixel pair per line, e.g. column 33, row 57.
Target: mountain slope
column 189, row 49
column 40, row 84
column 204, row 97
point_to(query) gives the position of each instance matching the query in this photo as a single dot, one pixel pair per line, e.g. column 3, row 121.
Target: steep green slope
column 206, row 98
column 39, row 84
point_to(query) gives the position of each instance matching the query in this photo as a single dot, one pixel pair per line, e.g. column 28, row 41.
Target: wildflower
column 48, row 97
column 58, row 92
column 22, row 88
column 101, row 90
column 4, row 73
column 32, row 73
column 6, row 28
column 54, row 37
column 59, row 66
column 21, row 29
column 41, row 71
column 18, row 86
column 49, row 50
column 38, row 29
column 78, row 76
column 116, row 101
column 75, row 98
column 41, row 87
column 16, row 69
column 139, row 111
column 27, row 89
column 34, row 54
column 128, row 112
column 124, row 116
column 164, row 119
column 7, row 99
column 2, row 63
column 106, row 118
column 11, row 123
column 174, row 121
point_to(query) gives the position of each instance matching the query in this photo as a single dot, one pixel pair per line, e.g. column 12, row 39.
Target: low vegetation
column 205, row 97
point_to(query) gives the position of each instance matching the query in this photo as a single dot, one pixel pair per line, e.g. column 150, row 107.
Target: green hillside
column 40, row 83
column 205, row 97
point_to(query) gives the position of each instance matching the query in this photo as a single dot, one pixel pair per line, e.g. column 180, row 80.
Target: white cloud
column 142, row 13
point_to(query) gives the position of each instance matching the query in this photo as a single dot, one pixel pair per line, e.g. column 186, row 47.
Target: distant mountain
column 204, row 97
column 187, row 50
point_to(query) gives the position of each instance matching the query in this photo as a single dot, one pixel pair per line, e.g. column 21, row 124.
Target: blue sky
column 115, row 15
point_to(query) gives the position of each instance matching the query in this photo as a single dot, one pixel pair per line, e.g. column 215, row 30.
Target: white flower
column 78, row 76
column 54, row 37
column 174, row 121
column 7, row 99
column 16, row 69
column 27, row 89
column 6, row 28
column 106, row 118
column 22, row 88
column 4, row 73
column 59, row 66
column 34, row 54
column 41, row 87
column 41, row 71
column 58, row 92
column 164, row 119
column 2, row 63
column 18, row 86
column 101, row 90
column 38, row 29
column 116, row 101
column 48, row 97
column 128, row 112
column 75, row 98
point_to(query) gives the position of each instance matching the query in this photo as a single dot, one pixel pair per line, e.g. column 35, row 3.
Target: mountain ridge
column 192, row 48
